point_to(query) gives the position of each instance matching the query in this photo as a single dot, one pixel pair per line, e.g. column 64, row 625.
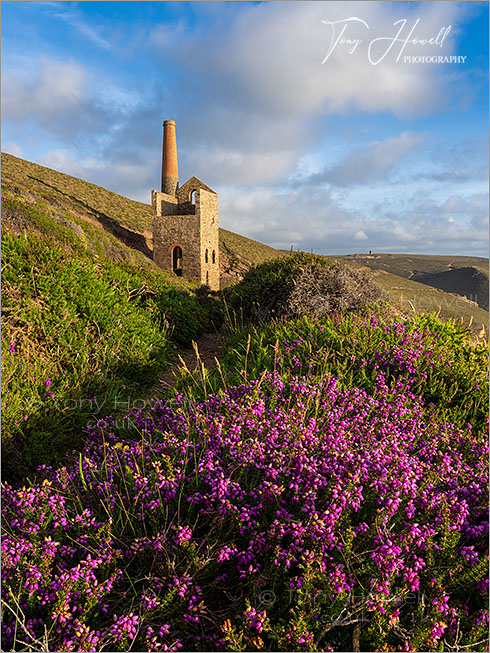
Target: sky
column 333, row 127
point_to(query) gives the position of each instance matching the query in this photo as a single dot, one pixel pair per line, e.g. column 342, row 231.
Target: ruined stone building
column 185, row 227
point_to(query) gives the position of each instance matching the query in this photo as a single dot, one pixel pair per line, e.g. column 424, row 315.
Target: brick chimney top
column 170, row 174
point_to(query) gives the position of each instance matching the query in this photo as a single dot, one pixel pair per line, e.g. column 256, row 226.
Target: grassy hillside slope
column 464, row 275
column 408, row 265
column 332, row 470
column 423, row 298
column 324, row 488
column 88, row 322
column 122, row 226
column 121, row 229
column 470, row 282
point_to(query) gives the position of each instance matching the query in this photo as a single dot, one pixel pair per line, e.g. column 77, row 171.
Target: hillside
column 89, row 323
column 296, row 496
column 470, row 282
column 422, row 299
column 106, row 222
column 111, row 225
column 334, row 467
column 465, row 275
column 418, row 295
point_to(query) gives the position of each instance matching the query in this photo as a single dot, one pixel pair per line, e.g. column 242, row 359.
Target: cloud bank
column 253, row 102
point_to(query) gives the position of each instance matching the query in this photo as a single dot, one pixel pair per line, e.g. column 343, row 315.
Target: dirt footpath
column 205, row 352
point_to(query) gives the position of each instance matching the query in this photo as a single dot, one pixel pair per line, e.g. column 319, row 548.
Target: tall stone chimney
column 170, row 173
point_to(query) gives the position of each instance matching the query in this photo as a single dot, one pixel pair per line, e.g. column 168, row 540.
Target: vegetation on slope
column 465, row 275
column 283, row 513
column 120, row 228
column 101, row 218
column 301, row 284
column 469, row 282
column 75, row 196
column 248, row 250
column 408, row 265
column 422, row 299
column 324, row 489
column 83, row 335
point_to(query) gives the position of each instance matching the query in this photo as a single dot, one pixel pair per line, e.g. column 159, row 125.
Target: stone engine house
column 185, row 226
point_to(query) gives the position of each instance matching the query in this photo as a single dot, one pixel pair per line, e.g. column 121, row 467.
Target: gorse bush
column 283, row 513
column 301, row 284
column 82, row 336
column 323, row 290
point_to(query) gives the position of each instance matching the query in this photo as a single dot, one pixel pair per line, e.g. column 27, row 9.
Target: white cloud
column 260, row 86
column 59, row 97
column 74, row 18
column 284, row 218
column 13, row 148
column 274, row 53
column 252, row 103
column 62, row 161
column 236, row 166
column 57, row 85
column 373, row 161
column 466, row 205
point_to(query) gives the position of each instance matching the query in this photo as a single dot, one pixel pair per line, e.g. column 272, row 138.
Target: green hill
column 88, row 321
column 299, row 466
column 465, row 275
column 422, row 299
column 426, row 284
column 470, row 282
column 341, row 463
column 107, row 223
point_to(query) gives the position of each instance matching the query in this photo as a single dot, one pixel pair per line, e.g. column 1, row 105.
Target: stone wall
column 207, row 209
column 162, row 203
column 181, row 230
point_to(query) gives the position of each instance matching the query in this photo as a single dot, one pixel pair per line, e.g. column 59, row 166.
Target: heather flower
column 318, row 490
column 255, row 618
column 184, row 535
column 125, row 625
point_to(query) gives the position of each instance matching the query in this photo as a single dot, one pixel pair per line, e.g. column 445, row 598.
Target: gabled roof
column 191, row 184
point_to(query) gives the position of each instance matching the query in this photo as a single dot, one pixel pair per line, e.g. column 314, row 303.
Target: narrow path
column 207, row 348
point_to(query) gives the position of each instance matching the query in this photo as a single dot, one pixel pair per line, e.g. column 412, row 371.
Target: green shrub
column 301, row 284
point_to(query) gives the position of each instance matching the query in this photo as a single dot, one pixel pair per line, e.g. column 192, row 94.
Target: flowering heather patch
column 435, row 360
column 277, row 514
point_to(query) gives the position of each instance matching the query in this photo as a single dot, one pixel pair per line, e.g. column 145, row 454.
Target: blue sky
column 338, row 157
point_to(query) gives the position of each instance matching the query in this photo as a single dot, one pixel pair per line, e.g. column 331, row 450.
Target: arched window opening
column 214, row 256
column 207, row 278
column 206, row 256
column 177, row 260
column 193, row 197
